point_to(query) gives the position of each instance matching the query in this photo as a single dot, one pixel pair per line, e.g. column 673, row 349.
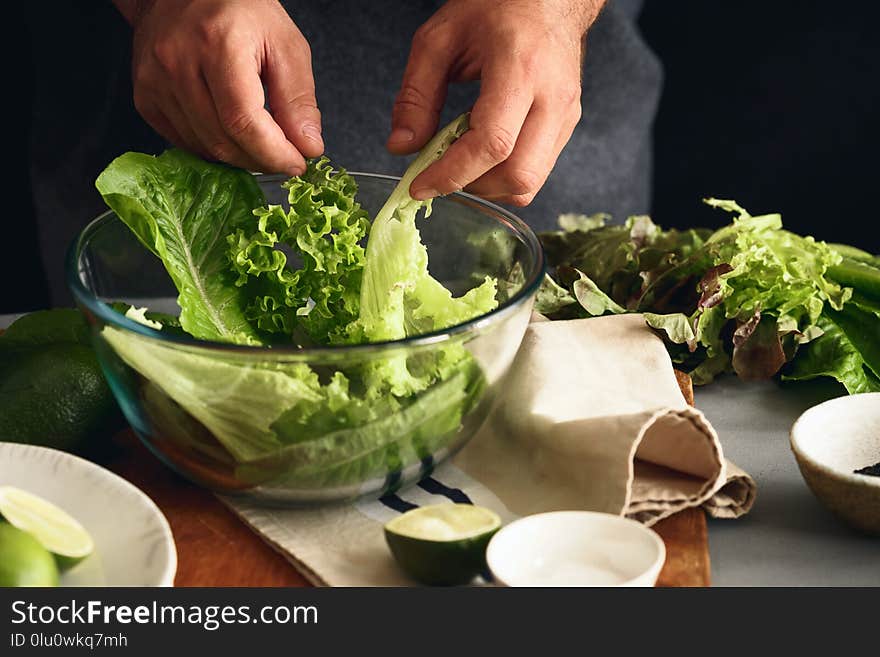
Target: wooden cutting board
column 214, row 548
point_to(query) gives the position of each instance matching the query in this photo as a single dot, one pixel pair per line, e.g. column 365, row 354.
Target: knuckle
column 237, row 122
column 521, row 200
column 569, row 95
column 212, row 30
column 410, row 96
column 577, row 113
column 448, row 184
column 498, row 143
column 215, row 23
column 304, row 102
column 522, row 182
column 433, row 36
column 222, row 150
column 529, row 62
column 165, row 54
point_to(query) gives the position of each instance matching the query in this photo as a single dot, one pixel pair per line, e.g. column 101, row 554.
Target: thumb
column 290, row 87
column 417, row 107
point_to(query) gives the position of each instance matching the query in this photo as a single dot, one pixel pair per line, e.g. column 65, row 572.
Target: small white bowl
column 575, row 548
column 832, row 440
column 133, row 542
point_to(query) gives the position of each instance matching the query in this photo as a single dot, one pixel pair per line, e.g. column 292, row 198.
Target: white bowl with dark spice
column 837, row 447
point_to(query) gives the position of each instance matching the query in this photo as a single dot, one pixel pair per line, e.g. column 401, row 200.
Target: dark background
column 771, row 103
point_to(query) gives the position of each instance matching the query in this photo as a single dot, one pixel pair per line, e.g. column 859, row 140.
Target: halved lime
column 442, row 544
column 53, row 527
column 23, row 561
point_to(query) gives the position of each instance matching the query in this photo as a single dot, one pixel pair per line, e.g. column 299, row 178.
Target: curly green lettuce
column 324, row 225
column 750, row 297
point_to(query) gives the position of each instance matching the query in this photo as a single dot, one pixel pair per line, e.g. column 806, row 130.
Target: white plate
column 133, row 542
column 575, row 548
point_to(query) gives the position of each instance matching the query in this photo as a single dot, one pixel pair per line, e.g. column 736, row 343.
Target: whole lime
column 55, row 396
column 52, row 390
column 23, row 560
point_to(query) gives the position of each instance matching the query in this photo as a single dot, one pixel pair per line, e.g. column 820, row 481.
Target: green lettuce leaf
column 835, row 354
column 773, row 270
column 181, row 208
column 592, row 299
column 399, row 297
column 237, row 401
column 280, row 423
column 552, row 297
column 624, row 261
column 676, row 326
column 324, row 226
column 362, row 441
column 750, row 297
column 862, row 276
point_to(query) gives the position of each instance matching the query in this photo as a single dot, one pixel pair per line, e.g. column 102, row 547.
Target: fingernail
column 425, row 193
column 401, row 136
column 312, row 131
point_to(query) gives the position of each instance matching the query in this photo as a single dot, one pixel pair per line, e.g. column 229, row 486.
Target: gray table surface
column 788, row 539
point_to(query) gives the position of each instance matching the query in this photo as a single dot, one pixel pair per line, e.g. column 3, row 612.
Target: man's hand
column 199, row 66
column 527, row 55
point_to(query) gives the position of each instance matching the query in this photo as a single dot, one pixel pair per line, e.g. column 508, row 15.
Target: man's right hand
column 198, row 69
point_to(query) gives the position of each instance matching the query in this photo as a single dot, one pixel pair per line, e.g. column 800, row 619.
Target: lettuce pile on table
column 358, row 281
column 750, row 297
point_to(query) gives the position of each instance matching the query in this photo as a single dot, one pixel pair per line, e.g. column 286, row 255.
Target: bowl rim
column 517, row 226
column 802, row 455
column 652, row 570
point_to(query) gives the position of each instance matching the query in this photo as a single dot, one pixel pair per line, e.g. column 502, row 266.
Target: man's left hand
column 527, row 55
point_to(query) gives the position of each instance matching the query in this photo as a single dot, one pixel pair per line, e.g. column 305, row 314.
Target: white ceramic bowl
column 575, row 548
column 133, row 542
column 832, row 440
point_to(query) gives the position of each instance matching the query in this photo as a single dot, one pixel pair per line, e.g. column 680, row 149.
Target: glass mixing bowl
column 229, row 417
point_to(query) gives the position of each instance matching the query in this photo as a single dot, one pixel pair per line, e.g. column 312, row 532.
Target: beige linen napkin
column 592, row 418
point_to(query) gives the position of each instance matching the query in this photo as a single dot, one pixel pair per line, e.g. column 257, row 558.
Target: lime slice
column 23, row 561
column 443, row 544
column 54, row 528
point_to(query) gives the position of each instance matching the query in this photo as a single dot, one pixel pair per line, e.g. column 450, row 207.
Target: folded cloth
column 592, row 418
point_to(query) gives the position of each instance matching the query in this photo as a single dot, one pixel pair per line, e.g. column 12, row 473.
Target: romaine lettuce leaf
column 237, row 401
column 398, row 297
column 835, row 354
column 181, row 208
column 368, row 441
